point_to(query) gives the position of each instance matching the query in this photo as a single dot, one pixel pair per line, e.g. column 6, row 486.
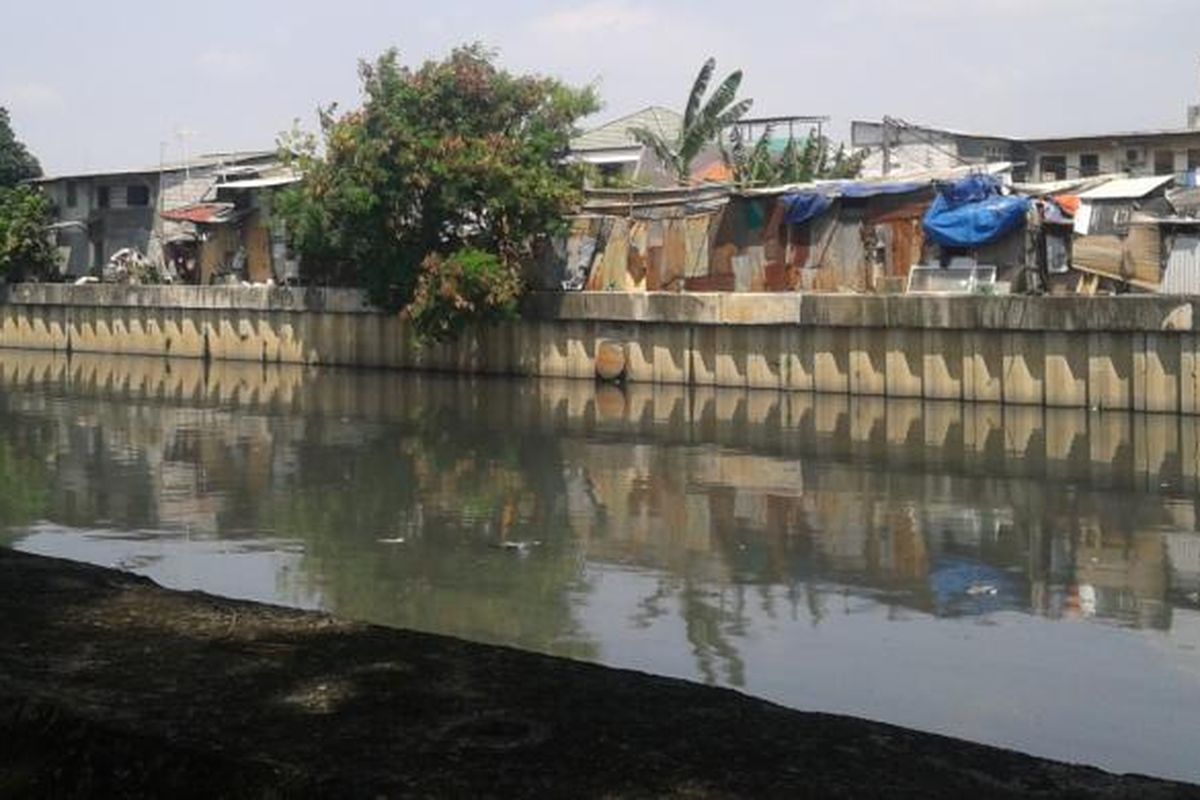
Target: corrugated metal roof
column 1127, row 188
column 860, row 125
column 615, row 134
column 998, row 168
column 1068, row 186
column 1027, row 139
column 201, row 213
column 624, row 155
column 199, row 162
column 1117, row 135
column 1182, row 275
column 260, row 183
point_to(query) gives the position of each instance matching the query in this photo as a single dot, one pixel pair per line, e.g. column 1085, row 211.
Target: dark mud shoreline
column 111, row 686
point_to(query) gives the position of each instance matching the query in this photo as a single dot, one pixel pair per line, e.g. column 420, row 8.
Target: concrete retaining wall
column 1138, row 353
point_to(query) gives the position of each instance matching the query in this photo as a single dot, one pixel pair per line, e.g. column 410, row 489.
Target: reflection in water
column 915, row 562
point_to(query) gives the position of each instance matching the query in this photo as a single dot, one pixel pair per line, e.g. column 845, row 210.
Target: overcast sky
column 106, row 84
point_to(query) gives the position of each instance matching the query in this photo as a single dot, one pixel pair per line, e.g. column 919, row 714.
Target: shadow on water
column 753, row 539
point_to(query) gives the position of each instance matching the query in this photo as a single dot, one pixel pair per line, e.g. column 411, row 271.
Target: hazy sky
column 105, row 84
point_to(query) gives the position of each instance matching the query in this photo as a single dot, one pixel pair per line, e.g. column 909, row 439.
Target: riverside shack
column 826, row 236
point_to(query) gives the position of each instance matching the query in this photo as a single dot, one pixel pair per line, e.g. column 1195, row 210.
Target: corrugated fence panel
column 1183, row 267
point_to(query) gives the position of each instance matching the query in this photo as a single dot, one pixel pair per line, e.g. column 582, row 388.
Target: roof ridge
column 639, row 112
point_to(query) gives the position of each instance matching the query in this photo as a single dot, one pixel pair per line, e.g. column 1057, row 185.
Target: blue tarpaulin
column 803, row 206
column 876, row 189
column 972, row 212
column 800, row 207
column 962, row 586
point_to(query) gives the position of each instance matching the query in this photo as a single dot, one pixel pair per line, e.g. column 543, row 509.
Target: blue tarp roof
column 972, row 212
column 803, row 206
column 876, row 189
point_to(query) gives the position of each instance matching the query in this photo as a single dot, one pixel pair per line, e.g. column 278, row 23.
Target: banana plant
column 703, row 122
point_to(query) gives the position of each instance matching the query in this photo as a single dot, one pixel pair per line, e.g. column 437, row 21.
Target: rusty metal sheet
column 907, row 242
column 723, row 246
column 611, row 269
column 710, row 283
column 780, row 278
column 695, row 243
column 774, row 238
column 655, row 238
column 636, row 260
column 845, row 258
column 889, row 209
column 674, row 253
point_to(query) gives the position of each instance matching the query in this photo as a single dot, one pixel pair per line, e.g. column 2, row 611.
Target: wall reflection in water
column 714, row 534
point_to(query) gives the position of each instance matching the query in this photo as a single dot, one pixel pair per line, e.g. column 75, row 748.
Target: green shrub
column 467, row 286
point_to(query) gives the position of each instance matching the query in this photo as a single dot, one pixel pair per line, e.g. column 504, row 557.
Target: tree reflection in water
column 399, row 492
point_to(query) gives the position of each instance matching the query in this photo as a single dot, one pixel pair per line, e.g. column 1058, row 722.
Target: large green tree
column 703, row 121
column 439, row 187
column 16, row 162
column 25, row 247
column 25, row 213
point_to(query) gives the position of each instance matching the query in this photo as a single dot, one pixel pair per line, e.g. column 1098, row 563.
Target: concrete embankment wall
column 1138, row 353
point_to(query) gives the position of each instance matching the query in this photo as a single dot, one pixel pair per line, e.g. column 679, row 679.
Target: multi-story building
column 897, row 147
column 99, row 213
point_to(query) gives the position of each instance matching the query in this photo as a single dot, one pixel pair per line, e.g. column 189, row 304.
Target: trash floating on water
column 393, row 540
column 978, row 589
column 521, row 547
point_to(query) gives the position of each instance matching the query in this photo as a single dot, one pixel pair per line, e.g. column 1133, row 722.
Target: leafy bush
column 467, row 286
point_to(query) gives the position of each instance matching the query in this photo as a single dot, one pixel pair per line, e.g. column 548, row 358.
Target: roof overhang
column 260, row 183
column 621, row 155
column 202, row 214
column 1127, row 188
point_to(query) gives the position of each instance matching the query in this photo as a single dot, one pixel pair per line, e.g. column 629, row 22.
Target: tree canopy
column 449, row 172
column 25, row 213
column 25, row 249
column 16, row 162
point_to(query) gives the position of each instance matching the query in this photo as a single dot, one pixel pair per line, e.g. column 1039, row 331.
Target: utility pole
column 887, row 146
column 184, row 135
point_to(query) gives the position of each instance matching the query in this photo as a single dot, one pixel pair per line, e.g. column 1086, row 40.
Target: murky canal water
column 1022, row 577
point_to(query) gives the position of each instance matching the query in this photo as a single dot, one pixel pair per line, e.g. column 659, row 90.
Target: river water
column 1017, row 576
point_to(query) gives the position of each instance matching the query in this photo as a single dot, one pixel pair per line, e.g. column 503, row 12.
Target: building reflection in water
column 506, row 511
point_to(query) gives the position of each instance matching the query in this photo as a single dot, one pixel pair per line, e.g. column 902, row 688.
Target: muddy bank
column 112, row 686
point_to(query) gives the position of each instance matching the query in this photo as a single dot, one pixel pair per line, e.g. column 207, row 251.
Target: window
column 1089, row 165
column 1054, row 168
column 72, row 194
column 102, row 196
column 137, row 194
column 1164, row 162
column 1193, row 160
column 1133, row 157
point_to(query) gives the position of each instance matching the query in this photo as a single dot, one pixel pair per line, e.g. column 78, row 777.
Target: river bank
column 113, row 686
column 1137, row 353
